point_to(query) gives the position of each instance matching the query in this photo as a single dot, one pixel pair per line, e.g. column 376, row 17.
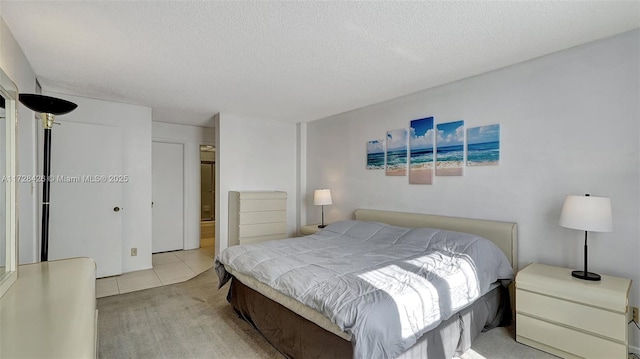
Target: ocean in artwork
column 396, row 160
column 482, row 154
column 396, row 154
column 453, row 153
column 450, row 149
column 420, row 157
column 483, row 146
column 375, row 155
column 421, row 151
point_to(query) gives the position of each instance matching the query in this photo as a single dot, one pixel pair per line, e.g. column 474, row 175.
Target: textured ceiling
column 292, row 61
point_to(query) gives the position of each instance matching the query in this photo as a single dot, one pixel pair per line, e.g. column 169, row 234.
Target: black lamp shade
column 46, row 104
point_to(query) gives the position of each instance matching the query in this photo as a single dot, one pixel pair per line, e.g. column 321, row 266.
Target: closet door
column 168, row 196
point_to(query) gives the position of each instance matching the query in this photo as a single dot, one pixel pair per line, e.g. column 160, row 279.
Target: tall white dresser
column 256, row 216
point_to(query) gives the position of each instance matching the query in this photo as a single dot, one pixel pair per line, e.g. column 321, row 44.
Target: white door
column 86, row 194
column 168, row 196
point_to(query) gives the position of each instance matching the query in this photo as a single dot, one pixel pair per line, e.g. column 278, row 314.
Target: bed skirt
column 296, row 337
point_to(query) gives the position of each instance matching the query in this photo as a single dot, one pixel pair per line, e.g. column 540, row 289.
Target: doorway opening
column 207, row 196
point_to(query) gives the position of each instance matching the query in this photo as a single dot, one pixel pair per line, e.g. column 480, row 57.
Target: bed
column 314, row 315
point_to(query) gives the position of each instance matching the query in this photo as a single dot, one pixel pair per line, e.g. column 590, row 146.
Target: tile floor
column 168, row 268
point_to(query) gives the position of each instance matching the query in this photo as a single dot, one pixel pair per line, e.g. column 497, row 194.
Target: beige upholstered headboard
column 503, row 234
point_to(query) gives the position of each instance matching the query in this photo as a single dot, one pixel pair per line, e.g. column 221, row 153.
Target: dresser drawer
column 258, row 205
column 263, row 217
column 610, row 293
column 583, row 317
column 258, row 239
column 568, row 340
column 253, row 230
column 257, row 216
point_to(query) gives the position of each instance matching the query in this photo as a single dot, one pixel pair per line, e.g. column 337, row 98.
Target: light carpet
column 192, row 319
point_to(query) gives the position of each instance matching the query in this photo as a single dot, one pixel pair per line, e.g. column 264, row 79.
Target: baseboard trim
column 135, row 269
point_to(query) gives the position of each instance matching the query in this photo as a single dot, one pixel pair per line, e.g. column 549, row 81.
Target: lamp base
column 585, row 275
column 322, row 225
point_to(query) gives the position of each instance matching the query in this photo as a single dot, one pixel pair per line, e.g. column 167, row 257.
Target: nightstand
column 309, row 229
column 570, row 317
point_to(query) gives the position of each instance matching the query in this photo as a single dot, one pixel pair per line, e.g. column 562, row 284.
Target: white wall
column 136, row 124
column 301, row 180
column 253, row 154
column 191, row 137
column 570, row 125
column 16, row 66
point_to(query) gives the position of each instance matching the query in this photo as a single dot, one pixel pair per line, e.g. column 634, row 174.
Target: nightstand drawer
column 582, row 317
column 567, row 340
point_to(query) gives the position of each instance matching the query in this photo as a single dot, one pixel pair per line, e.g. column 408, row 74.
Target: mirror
column 8, row 183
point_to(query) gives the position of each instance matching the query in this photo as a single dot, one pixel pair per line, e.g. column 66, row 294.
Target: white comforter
column 385, row 285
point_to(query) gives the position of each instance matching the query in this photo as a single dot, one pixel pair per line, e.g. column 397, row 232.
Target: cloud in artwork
column 375, row 146
column 421, row 134
column 451, row 134
column 421, row 142
column 396, row 140
column 483, row 134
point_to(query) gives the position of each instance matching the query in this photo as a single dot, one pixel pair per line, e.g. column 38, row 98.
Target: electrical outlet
column 134, row 252
column 634, row 314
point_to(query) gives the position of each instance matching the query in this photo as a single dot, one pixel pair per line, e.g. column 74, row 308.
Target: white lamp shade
column 587, row 213
column 322, row 197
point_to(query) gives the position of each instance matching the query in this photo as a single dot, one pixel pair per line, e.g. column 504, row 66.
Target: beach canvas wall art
column 375, row 155
column 483, row 146
column 421, row 151
column 450, row 149
column 396, row 154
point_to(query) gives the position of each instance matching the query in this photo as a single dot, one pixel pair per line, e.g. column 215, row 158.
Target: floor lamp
column 48, row 107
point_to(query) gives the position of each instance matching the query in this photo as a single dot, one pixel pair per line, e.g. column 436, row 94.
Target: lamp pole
column 322, row 225
column 46, row 185
column 48, row 107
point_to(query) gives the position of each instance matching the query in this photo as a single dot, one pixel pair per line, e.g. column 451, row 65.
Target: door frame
column 185, row 183
column 213, row 202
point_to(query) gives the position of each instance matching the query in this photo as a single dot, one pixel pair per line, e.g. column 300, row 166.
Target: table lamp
column 322, row 197
column 586, row 213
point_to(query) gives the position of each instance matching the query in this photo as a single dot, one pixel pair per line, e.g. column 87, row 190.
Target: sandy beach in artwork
column 421, row 174
column 396, row 171
column 484, row 163
column 449, row 168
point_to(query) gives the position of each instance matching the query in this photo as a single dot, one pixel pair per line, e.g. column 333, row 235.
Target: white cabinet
column 570, row 317
column 50, row 312
column 256, row 216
